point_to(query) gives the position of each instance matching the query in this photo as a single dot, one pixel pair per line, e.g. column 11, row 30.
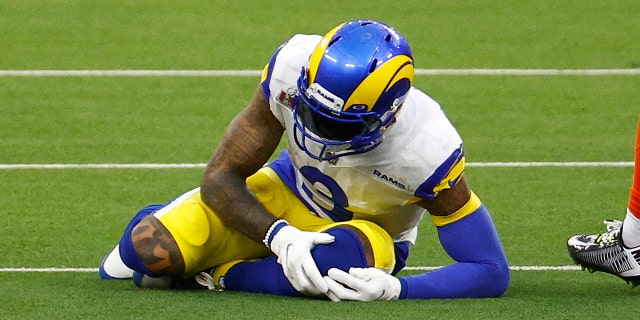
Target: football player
column 336, row 213
column 616, row 251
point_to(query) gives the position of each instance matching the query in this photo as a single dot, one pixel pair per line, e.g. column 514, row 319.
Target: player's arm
column 249, row 141
column 467, row 234
column 448, row 201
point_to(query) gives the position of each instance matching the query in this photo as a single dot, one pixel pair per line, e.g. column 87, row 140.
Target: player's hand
column 293, row 248
column 362, row 284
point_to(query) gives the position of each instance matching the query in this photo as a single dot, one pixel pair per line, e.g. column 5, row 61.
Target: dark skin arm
column 248, row 143
column 448, row 201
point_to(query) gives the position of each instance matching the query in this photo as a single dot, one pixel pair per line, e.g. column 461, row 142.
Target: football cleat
column 605, row 252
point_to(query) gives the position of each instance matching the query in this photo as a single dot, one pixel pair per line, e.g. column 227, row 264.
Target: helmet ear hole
column 374, row 65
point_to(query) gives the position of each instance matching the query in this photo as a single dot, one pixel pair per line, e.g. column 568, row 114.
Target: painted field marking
column 256, row 73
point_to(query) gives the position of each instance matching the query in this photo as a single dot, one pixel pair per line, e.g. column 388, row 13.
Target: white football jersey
column 421, row 154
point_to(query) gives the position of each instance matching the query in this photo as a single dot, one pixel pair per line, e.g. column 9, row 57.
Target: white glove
column 293, row 248
column 362, row 284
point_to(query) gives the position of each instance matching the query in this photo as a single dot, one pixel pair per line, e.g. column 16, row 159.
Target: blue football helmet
column 357, row 78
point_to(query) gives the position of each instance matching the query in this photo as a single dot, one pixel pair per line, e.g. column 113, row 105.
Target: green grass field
column 69, row 218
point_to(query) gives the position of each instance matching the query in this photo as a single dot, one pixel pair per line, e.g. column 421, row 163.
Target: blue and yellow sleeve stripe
column 445, row 176
column 468, row 208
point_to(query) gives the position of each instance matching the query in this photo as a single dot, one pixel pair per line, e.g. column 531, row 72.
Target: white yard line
column 418, row 268
column 255, row 73
column 38, row 166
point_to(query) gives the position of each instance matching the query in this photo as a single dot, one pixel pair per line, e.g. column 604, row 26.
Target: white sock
column 631, row 231
column 115, row 267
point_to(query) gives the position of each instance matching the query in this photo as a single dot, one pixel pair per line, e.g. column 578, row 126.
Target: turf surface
column 69, row 218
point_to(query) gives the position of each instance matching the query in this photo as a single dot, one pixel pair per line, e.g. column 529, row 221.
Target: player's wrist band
column 275, row 227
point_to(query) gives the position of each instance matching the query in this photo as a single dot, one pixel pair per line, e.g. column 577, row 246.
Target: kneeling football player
column 178, row 244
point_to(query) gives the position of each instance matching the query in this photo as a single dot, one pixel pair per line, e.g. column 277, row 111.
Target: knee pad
column 357, row 244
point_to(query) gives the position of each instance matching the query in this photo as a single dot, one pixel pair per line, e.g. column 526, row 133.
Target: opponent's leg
column 357, row 244
column 631, row 230
column 616, row 251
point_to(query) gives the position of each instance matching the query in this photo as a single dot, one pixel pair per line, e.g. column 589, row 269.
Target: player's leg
column 357, row 244
column 631, row 230
column 153, row 253
column 112, row 266
column 183, row 237
column 150, row 251
column 176, row 241
column 616, row 251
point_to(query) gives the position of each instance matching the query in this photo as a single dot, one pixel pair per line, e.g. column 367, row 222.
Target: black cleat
column 605, row 252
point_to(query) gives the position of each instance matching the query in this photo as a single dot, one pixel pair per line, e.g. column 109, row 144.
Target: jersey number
column 328, row 194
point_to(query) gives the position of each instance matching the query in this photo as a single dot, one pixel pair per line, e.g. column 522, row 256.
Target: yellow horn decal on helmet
column 318, row 52
column 380, row 80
